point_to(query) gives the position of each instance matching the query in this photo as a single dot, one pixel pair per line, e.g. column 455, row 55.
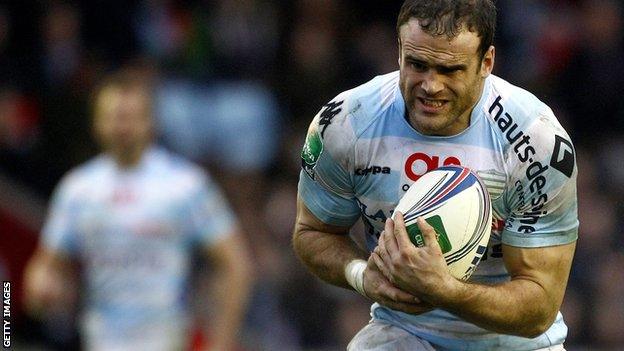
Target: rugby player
column 443, row 106
column 127, row 223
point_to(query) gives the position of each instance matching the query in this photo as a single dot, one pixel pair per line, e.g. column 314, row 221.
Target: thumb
column 429, row 234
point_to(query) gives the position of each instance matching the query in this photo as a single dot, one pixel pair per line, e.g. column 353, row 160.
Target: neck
column 128, row 158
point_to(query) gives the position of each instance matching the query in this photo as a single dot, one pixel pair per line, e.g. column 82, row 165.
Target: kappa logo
column 372, row 170
column 562, row 158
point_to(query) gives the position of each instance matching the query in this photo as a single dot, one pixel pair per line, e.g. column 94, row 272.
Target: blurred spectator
column 383, row 58
column 591, row 83
column 609, row 309
column 537, row 39
column 19, row 121
column 207, row 123
column 315, row 64
column 162, row 29
column 244, row 37
column 127, row 223
column 62, row 43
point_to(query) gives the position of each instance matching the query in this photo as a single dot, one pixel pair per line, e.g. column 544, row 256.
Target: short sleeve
column 325, row 184
column 60, row 230
column 542, row 192
column 210, row 217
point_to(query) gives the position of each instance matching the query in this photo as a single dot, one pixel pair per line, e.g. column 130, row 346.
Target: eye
column 448, row 70
column 419, row 66
column 445, row 70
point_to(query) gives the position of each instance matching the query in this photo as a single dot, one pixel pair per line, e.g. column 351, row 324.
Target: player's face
column 123, row 122
column 441, row 80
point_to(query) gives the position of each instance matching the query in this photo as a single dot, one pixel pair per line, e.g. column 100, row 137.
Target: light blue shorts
column 378, row 335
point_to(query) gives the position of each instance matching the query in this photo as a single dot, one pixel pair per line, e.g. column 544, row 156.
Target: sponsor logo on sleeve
column 313, row 146
column 312, row 149
column 562, row 158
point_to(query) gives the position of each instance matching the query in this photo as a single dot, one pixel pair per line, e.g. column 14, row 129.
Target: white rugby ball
column 456, row 203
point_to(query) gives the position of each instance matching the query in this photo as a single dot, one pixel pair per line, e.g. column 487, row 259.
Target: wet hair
column 447, row 17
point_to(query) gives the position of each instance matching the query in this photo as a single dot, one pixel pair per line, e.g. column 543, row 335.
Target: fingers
column 386, row 244
column 381, row 246
column 388, row 239
column 382, row 290
column 429, row 234
column 381, row 265
column 400, row 232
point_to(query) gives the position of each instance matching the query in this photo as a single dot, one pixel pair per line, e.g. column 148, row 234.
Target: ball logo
column 414, row 164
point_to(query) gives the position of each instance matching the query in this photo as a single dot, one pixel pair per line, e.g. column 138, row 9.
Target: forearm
column 526, row 305
column 326, row 255
column 519, row 307
column 232, row 294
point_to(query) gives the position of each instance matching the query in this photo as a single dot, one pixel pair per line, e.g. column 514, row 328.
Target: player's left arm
column 233, row 276
column 213, row 225
column 538, row 246
column 525, row 306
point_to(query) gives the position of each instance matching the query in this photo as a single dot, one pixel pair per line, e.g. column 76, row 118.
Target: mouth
column 432, row 105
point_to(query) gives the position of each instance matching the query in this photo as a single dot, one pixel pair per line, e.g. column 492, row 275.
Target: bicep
column 307, row 221
column 548, row 267
column 312, row 236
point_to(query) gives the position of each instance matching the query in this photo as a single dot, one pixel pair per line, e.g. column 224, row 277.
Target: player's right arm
column 327, row 208
column 50, row 280
column 327, row 250
column 51, row 275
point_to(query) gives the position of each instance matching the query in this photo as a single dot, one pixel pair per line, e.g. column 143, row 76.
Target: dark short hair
column 446, row 17
column 125, row 78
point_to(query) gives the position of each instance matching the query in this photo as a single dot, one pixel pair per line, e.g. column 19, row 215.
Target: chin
column 429, row 125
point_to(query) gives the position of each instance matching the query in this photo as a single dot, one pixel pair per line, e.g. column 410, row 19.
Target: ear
column 487, row 63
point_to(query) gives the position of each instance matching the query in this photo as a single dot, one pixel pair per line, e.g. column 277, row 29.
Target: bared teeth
column 432, row 103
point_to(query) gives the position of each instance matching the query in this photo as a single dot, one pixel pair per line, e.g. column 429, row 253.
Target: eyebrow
column 451, row 67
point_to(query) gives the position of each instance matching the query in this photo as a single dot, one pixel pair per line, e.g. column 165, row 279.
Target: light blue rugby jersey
column 361, row 155
column 133, row 231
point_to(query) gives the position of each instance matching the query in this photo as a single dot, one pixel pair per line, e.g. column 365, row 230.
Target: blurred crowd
column 239, row 82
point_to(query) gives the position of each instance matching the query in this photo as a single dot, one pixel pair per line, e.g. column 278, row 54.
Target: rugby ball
column 456, row 203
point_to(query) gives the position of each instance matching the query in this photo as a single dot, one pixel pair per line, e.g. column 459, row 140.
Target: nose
column 431, row 83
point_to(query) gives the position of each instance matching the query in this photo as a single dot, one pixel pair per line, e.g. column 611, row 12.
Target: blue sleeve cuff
column 539, row 239
column 328, row 207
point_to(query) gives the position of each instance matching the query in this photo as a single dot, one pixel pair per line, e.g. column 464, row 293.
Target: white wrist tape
column 354, row 272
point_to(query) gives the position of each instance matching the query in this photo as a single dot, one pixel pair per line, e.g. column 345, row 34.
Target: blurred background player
column 121, row 232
